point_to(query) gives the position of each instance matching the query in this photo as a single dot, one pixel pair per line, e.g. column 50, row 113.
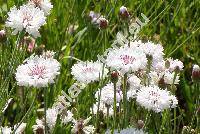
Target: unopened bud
column 2, row 35
column 140, row 124
column 103, row 23
column 167, row 63
column 114, row 76
column 161, row 83
column 123, row 12
column 196, row 73
column 39, row 50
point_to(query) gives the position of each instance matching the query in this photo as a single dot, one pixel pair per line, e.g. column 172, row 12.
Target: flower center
column 88, row 69
column 26, row 18
column 155, row 96
column 36, row 2
column 127, row 59
column 37, row 71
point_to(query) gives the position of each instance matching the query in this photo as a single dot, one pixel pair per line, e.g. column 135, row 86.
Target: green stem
column 125, row 101
column 27, row 113
column 45, row 109
column 115, row 104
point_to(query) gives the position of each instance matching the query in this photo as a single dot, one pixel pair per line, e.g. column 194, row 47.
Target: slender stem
column 27, row 113
column 115, row 105
column 45, row 108
column 125, row 101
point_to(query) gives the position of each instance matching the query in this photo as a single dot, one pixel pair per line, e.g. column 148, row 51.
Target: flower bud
column 103, row 23
column 123, row 12
column 39, row 50
column 140, row 124
column 161, row 83
column 2, row 35
column 114, row 76
column 196, row 73
column 167, row 63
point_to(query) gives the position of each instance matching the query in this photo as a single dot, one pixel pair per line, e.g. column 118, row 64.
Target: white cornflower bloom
column 86, row 72
column 20, row 129
column 81, row 126
column 5, row 130
column 39, row 128
column 154, row 50
column 61, row 104
column 94, row 16
column 153, row 98
column 107, row 94
column 48, row 54
column 175, row 64
column 51, row 115
column 102, row 107
column 68, row 117
column 159, row 67
column 166, row 75
column 134, row 85
column 37, row 72
column 2, row 33
column 44, row 5
column 134, row 81
column 196, row 68
column 132, row 131
column 126, row 59
column 26, row 17
column 127, row 131
column 169, row 78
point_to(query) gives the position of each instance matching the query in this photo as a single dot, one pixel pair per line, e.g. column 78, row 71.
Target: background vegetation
column 68, row 32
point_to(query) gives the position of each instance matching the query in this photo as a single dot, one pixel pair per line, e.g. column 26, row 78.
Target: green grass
column 175, row 24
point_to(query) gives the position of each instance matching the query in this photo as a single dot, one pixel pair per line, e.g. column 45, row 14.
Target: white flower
column 26, row 17
column 20, row 129
column 80, row 125
column 94, row 16
column 107, row 94
column 51, row 115
column 153, row 98
column 167, row 75
column 86, row 72
column 123, row 9
column 169, row 78
column 127, row 131
column 102, row 108
column 48, row 54
column 39, row 128
column 159, row 67
column 2, row 33
column 5, row 130
column 195, row 68
column 154, row 50
column 131, row 131
column 37, row 71
column 134, row 81
column 68, row 117
column 61, row 104
column 126, row 59
column 175, row 64
column 44, row 5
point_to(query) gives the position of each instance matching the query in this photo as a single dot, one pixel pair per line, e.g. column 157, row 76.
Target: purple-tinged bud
column 2, row 35
column 114, row 76
column 196, row 73
column 123, row 12
column 103, row 23
column 140, row 124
